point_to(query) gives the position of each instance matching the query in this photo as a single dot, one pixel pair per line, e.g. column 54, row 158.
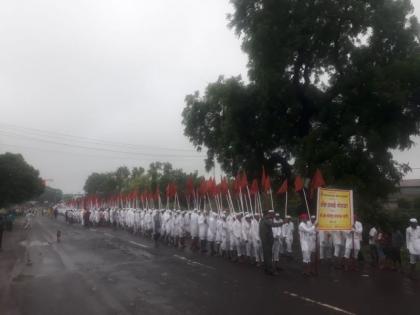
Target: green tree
column 333, row 84
column 159, row 175
column 51, row 195
column 19, row 181
column 103, row 184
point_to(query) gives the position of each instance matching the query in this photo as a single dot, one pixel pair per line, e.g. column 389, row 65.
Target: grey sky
column 111, row 70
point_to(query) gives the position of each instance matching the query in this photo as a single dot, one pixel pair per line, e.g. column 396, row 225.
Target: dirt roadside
column 11, row 257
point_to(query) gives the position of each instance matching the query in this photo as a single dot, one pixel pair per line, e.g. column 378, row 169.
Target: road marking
column 93, row 230
column 192, row 262
column 109, row 235
column 138, row 244
column 335, row 308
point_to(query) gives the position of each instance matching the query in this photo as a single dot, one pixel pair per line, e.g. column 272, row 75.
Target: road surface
column 102, row 271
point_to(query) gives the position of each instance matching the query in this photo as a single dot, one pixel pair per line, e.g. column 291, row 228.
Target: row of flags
column 205, row 190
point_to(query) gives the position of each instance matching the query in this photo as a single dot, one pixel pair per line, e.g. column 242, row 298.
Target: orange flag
column 298, row 183
column 284, row 187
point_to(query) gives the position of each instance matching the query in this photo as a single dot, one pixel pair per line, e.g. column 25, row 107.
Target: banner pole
column 271, row 197
column 306, row 202
column 250, row 200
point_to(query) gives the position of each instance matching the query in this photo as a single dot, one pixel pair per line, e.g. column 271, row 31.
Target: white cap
column 413, row 220
column 287, row 217
column 271, row 211
column 313, row 217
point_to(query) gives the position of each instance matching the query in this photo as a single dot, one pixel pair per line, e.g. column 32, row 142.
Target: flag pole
column 250, row 201
column 306, row 202
column 285, row 206
column 271, row 197
column 241, row 199
column 209, row 201
column 260, row 204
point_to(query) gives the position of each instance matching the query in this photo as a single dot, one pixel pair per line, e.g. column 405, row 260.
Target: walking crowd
column 250, row 238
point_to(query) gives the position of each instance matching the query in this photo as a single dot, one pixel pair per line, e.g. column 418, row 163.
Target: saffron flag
column 254, row 187
column 317, row 181
column 283, row 189
column 298, row 183
column 267, row 184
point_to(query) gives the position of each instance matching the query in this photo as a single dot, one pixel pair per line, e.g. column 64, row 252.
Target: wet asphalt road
column 101, row 271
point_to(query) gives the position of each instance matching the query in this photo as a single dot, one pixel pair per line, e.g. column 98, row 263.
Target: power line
column 83, row 154
column 92, row 148
column 92, row 140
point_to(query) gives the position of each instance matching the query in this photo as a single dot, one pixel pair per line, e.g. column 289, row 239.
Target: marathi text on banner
column 334, row 209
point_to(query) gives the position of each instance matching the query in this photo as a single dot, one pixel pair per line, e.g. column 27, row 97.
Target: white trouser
column 289, row 242
column 248, row 249
column 306, row 256
column 258, row 251
column 276, row 249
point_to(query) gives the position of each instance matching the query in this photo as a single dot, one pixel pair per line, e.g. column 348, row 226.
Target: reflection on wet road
column 102, row 271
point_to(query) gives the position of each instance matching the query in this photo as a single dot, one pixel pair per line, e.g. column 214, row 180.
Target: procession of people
column 264, row 241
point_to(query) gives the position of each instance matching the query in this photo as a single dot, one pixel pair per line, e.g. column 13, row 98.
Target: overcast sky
column 80, row 77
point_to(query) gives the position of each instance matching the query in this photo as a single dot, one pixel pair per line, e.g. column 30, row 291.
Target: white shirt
column 413, row 240
column 306, row 230
column 373, row 236
column 287, row 230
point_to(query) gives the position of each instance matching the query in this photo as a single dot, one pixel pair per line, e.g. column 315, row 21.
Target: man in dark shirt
column 267, row 240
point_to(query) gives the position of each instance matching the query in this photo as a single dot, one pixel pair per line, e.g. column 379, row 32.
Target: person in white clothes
column 288, row 229
column 202, row 231
column 412, row 236
column 246, row 236
column 194, row 230
column 211, row 232
column 256, row 240
column 353, row 240
column 373, row 246
column 277, row 235
column 306, row 232
column 237, row 236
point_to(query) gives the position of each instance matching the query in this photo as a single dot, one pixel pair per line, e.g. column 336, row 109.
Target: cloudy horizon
column 88, row 85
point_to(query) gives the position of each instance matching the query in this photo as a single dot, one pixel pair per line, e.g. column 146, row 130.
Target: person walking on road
column 373, row 245
column 28, row 228
column 267, row 241
column 353, row 240
column 306, row 232
column 413, row 244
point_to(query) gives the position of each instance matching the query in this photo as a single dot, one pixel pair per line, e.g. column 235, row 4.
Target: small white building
column 409, row 189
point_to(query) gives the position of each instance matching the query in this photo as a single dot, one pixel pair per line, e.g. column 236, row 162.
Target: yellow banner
column 334, row 209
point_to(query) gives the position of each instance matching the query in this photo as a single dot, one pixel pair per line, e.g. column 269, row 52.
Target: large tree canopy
column 334, row 84
column 19, row 181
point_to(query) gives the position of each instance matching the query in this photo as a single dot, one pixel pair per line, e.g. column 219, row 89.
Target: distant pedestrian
column 28, row 223
column 373, row 246
column 413, row 244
